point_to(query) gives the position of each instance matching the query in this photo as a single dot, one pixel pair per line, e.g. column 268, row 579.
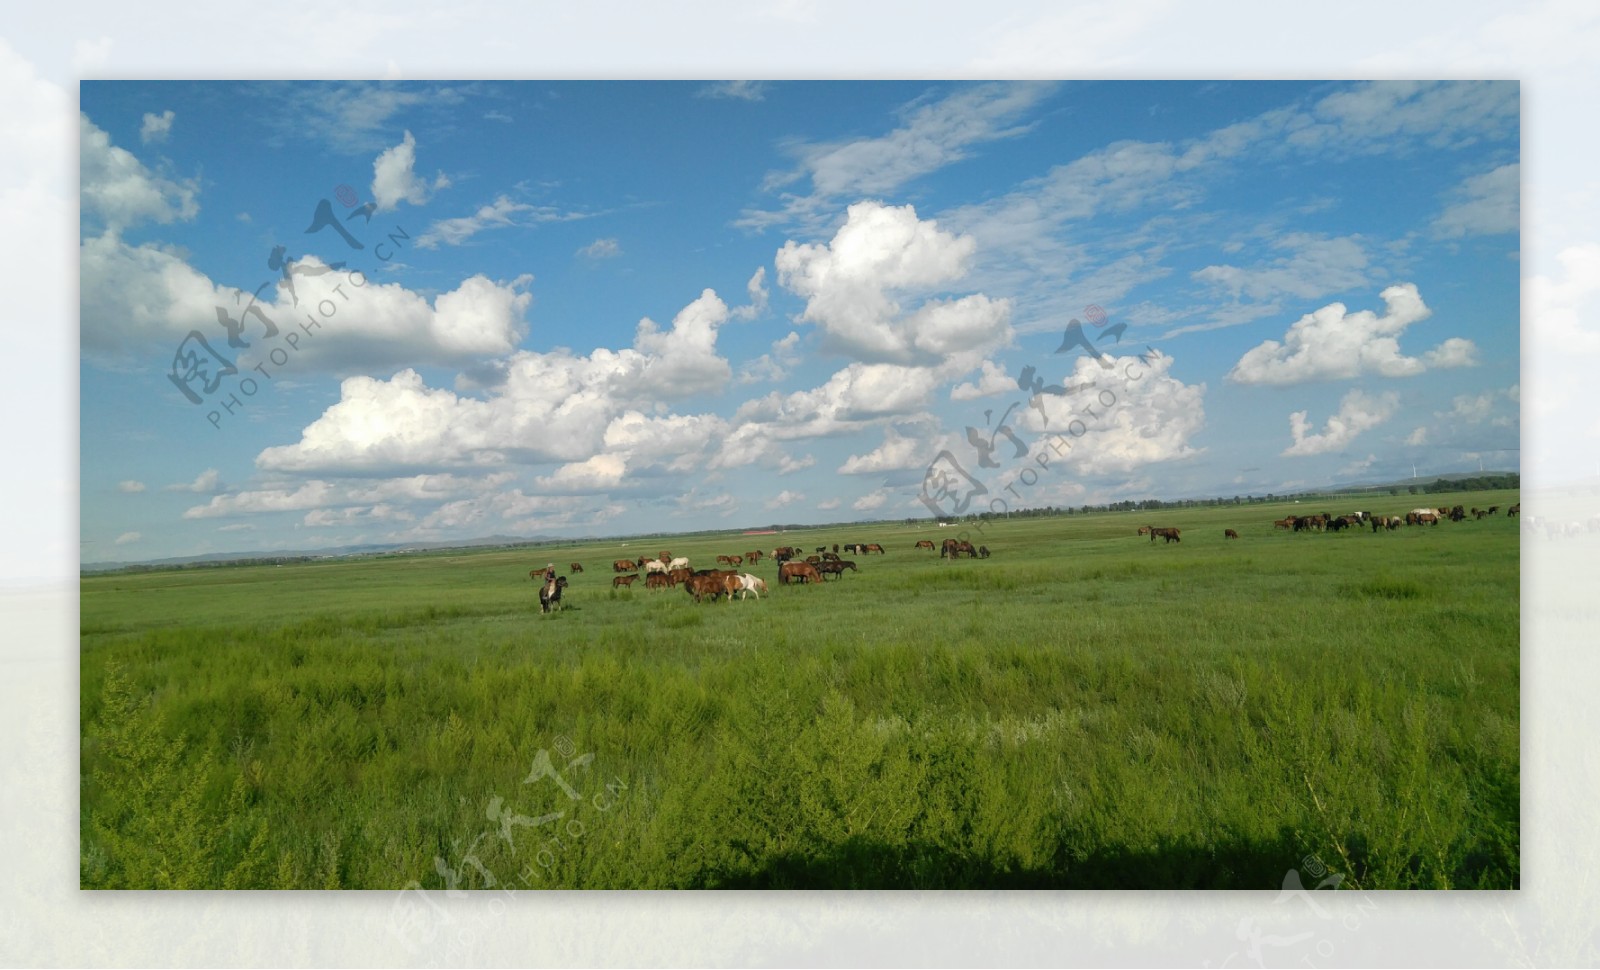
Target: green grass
column 1083, row 709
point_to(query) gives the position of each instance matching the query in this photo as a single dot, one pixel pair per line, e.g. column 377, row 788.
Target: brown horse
column 577, row 567
column 1229, row 534
column 623, row 580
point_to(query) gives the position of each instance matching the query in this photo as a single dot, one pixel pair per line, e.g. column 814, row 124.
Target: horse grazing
column 1167, row 533
column 803, row 572
column 925, row 544
column 1229, row 534
column 836, row 567
column 550, row 594
column 983, row 552
column 623, row 566
column 577, row 568
column 873, row 547
column 625, row 581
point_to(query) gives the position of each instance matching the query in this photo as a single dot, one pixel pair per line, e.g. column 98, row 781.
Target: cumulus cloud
column 1455, row 352
column 394, row 179
column 128, row 537
column 897, row 452
column 310, row 495
column 117, row 191
column 1483, row 205
column 772, row 367
column 828, row 505
column 206, row 482
column 543, row 407
column 131, row 296
column 156, row 128
column 1333, row 343
column 785, row 497
column 757, row 289
column 1139, row 414
column 871, row 501
column 597, row 474
column 788, row 464
column 130, row 486
column 993, row 380
column 851, row 286
column 1358, row 412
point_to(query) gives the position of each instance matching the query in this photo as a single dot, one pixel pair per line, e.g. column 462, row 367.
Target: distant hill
column 334, row 552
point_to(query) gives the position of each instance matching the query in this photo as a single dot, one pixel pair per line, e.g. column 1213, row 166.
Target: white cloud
column 773, row 367
column 1138, row 414
column 851, row 283
column 735, row 90
column 757, row 289
column 897, row 452
column 993, row 380
column 1486, row 204
column 1358, row 412
column 543, row 407
column 394, row 180
column 117, row 191
column 128, row 537
column 785, row 497
column 206, row 482
column 310, row 495
column 601, row 249
column 684, row 360
column 1332, row 344
column 1315, row 265
column 828, row 505
column 934, row 134
column 1418, row 438
column 502, row 213
column 869, row 502
column 130, row 486
column 788, row 464
column 1455, row 352
column 597, row 474
column 156, row 127
column 131, row 296
column 1360, row 467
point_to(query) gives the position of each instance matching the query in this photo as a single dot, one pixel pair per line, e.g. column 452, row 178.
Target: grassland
column 1085, row 709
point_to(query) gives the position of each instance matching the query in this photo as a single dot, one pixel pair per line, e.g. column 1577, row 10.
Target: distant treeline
column 1475, row 483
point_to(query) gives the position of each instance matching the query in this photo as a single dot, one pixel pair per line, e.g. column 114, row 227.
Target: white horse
column 681, row 562
column 654, row 566
column 751, row 584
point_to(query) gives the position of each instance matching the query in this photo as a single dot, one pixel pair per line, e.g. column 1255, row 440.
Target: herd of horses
column 794, row 566
column 1327, row 522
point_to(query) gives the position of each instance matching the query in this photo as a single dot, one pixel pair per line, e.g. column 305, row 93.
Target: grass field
column 1085, row 709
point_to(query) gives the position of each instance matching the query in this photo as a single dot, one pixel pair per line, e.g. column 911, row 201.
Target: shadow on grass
column 860, row 863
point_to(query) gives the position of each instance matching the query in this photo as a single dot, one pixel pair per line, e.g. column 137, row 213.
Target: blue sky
column 602, row 308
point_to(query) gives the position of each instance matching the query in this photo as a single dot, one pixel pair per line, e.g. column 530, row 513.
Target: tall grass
column 1084, row 709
